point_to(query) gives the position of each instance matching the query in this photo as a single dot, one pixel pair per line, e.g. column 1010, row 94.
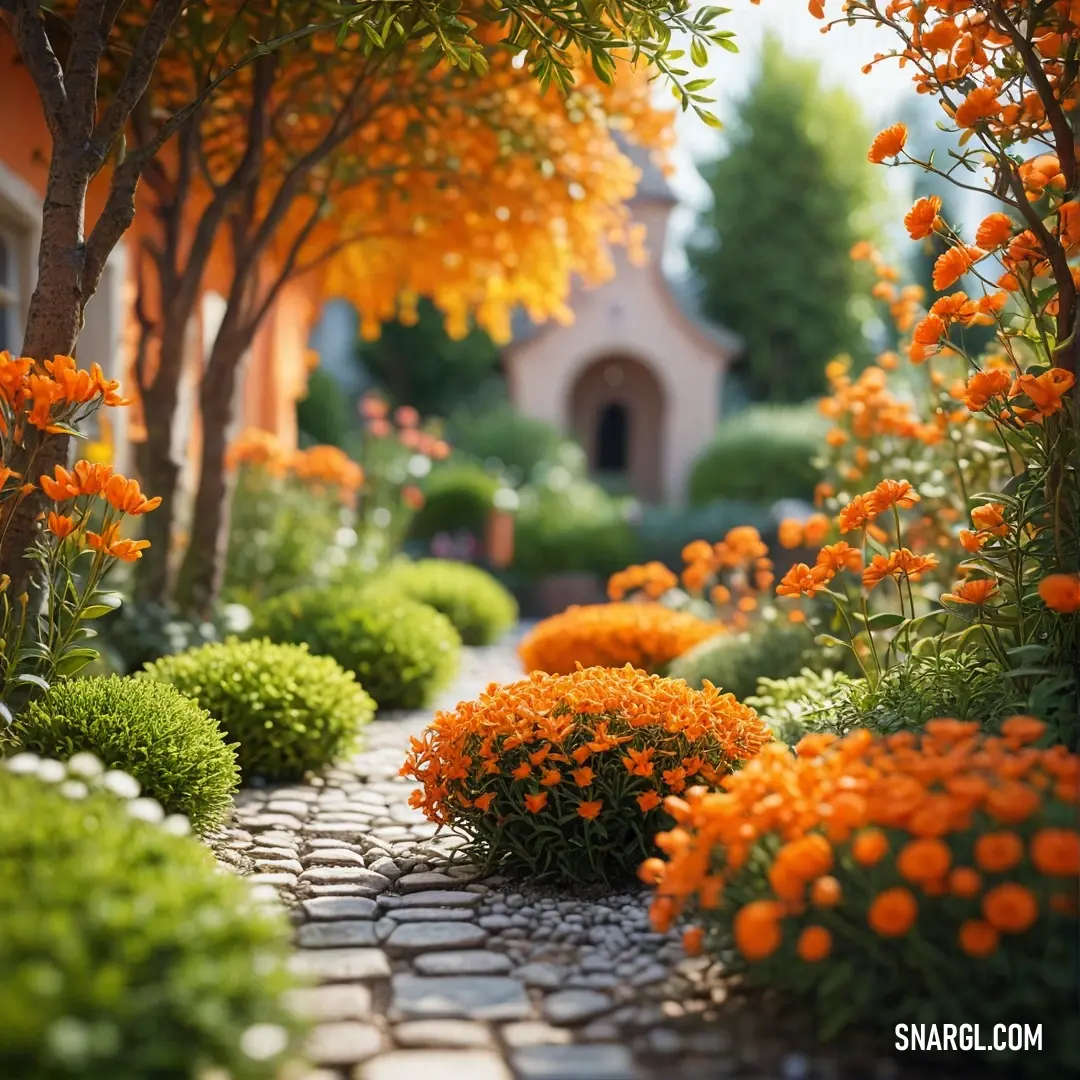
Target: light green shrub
column 457, row 498
column 481, row 609
column 172, row 746
column 289, row 712
column 124, row 954
column 402, row 652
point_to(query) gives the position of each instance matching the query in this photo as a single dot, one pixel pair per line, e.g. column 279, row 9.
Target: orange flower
column 964, row 882
column 757, row 928
column 989, row 518
column 590, row 810
column 483, row 802
column 994, row 231
column 816, row 529
column 920, row 219
column 551, row 777
column 109, row 543
column 790, row 533
column 800, row 580
column 639, row 762
column 814, row 944
column 869, row 847
column 1061, row 592
column 825, row 892
column 953, row 264
column 647, row 801
column 978, row 938
column 976, row 592
column 60, row 525
column 839, row 556
column 984, row 385
column 583, row 777
column 888, row 144
column 1056, row 852
column 1045, row 390
column 924, row 860
column 123, row 494
column 535, row 803
column 1010, row 908
column 857, row 514
column 892, row 912
column 1012, row 802
column 692, row 940
column 890, row 493
column 1023, row 729
column 998, row 852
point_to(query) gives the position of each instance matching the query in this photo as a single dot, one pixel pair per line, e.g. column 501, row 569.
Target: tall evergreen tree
column 790, row 197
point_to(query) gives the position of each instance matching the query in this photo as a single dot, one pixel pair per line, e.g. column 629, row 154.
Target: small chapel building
column 637, row 378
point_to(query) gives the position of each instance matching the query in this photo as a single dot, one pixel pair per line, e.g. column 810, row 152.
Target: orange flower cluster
column 528, row 768
column 734, row 571
column 50, row 396
column 652, row 578
column 404, row 424
column 965, row 841
column 644, row 635
column 319, row 466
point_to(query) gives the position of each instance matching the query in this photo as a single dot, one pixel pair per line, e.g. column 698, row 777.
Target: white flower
column 23, row 764
column 146, row 810
column 264, row 1041
column 120, row 783
column 177, row 825
column 86, row 765
column 52, row 772
column 74, row 789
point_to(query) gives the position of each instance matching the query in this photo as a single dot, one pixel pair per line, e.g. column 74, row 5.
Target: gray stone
column 429, row 914
column 343, row 1043
column 575, row 1006
column 336, row 1001
column 542, row 974
column 575, row 1062
column 326, row 935
column 442, row 1034
column 344, row 888
column 269, row 822
column 408, row 883
column 339, row 907
column 333, row 857
column 433, row 898
column 496, row 922
column 435, row 1065
column 386, row 866
column 427, row 936
column 464, row 962
column 352, row 875
column 341, row 965
column 476, row 997
column 653, row 973
column 288, row 806
column 280, row 880
column 534, row 1033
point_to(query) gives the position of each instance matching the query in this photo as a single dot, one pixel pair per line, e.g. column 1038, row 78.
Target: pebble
column 432, row 898
column 410, row 938
column 575, row 1006
column 442, row 1034
column 339, row 907
column 408, row 883
column 341, row 965
column 323, row 935
column 333, row 857
column 336, row 875
column 428, row 914
column 343, row 1043
column 463, row 962
column 476, row 997
column 336, row 1001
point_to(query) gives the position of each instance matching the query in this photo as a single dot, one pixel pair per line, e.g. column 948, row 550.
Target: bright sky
column 842, row 52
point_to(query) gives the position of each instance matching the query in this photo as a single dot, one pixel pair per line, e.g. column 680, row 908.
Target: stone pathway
column 426, row 972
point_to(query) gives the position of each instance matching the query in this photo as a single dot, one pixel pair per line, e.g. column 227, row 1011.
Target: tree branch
column 88, row 40
column 28, row 29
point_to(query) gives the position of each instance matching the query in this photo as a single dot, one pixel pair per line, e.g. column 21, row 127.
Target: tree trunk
column 52, row 328
column 203, row 570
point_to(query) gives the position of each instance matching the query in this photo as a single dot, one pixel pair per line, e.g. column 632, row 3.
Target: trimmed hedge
column 480, row 608
column 290, row 712
column 125, row 954
column 401, row 651
column 457, row 498
column 174, row 748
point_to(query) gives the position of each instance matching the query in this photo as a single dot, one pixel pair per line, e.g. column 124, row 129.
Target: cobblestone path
column 426, row 972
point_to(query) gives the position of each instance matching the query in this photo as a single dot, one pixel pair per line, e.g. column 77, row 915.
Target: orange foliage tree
column 381, row 181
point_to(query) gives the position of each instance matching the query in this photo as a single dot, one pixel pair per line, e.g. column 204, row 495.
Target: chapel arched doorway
column 617, row 414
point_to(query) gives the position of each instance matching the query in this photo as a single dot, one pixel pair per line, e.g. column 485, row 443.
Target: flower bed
column 643, row 635
column 564, row 775
column 926, row 877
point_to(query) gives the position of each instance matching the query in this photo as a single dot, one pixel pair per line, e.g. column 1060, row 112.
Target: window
column 10, row 293
column 613, row 439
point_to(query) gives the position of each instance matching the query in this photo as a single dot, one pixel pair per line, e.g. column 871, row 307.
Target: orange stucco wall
column 276, row 372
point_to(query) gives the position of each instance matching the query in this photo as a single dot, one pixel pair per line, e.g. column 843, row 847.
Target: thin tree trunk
column 203, row 571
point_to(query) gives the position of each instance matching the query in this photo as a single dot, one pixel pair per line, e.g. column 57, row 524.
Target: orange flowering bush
column 931, row 877
column 644, row 635
column 78, row 535
column 564, row 776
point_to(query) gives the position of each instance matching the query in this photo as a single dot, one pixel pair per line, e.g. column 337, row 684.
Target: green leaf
column 829, row 642
column 75, row 660
column 699, row 55
column 884, row 620
column 33, row 680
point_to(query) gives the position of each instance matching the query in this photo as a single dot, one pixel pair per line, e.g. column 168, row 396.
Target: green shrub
column 174, row 748
column 735, row 662
column 401, row 651
column 125, row 955
column 480, row 608
column 457, row 498
column 517, row 442
column 290, row 712
column 795, row 706
column 762, row 454
column 663, row 531
column 567, row 525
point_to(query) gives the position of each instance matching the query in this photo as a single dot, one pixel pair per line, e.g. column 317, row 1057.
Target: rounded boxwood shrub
column 644, row 635
column 457, row 498
column 735, row 662
column 289, row 712
column 480, row 608
column 125, row 954
column 172, row 746
column 564, row 776
column 931, row 875
column 401, row 651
